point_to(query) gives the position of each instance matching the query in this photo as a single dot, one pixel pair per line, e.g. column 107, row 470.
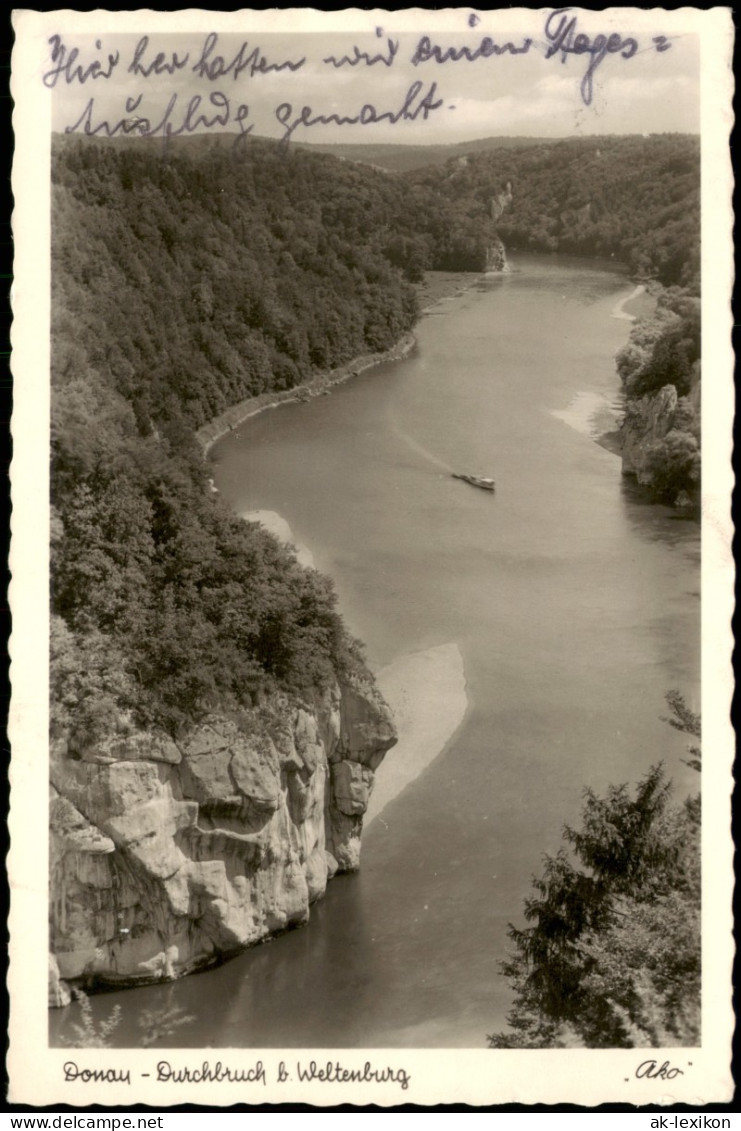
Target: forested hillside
column 402, row 158
column 185, row 283
column 180, row 287
column 203, row 789
column 189, row 649
column 632, row 198
column 217, row 278
column 660, row 368
column 610, row 957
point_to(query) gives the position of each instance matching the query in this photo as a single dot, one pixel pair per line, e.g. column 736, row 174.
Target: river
column 575, row 607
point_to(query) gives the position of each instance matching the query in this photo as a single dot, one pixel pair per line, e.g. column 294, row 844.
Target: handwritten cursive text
column 650, row 1070
column 65, row 64
column 212, row 67
column 412, row 107
column 560, row 31
column 426, row 50
column 220, row 112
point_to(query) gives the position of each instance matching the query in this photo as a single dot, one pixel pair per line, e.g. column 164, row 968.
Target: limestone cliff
column 661, row 444
column 500, row 201
column 169, row 856
column 496, row 255
column 647, row 422
column 660, row 370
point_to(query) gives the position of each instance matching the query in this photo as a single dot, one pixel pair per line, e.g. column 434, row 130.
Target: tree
column 686, row 721
column 611, row 958
column 92, row 1033
column 89, row 1033
column 673, row 465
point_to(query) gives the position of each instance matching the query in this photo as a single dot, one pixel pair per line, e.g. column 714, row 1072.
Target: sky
column 648, row 83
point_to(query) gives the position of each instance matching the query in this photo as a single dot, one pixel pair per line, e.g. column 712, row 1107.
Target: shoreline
column 643, row 301
column 277, row 526
column 619, row 311
column 595, row 414
column 426, row 692
column 208, row 434
column 436, row 287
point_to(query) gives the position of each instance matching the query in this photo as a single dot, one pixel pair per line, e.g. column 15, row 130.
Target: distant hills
column 632, row 198
column 397, row 158
column 403, row 158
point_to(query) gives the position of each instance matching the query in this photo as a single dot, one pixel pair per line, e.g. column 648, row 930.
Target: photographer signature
column 651, row 1070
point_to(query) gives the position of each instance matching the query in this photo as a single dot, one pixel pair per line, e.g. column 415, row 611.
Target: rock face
column 166, row 857
column 647, row 422
column 500, row 201
column 496, row 257
column 660, row 443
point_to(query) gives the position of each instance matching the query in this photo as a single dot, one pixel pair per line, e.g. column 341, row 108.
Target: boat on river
column 476, row 481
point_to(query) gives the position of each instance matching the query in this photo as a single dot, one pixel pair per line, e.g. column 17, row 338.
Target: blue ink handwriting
column 159, row 64
column 67, row 65
column 364, row 57
column 427, row 50
column 560, row 31
column 226, row 113
column 367, row 116
column 257, row 63
column 185, row 113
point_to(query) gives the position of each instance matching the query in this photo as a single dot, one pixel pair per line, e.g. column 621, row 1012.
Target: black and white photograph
column 371, row 557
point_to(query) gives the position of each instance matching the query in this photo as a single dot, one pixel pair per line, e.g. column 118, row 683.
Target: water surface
column 574, row 604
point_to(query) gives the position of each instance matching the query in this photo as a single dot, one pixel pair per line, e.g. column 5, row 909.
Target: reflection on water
column 673, row 528
column 568, row 598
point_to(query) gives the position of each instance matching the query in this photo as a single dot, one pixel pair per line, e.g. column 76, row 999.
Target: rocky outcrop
column 647, row 422
column 660, row 443
column 500, row 201
column 167, row 857
column 496, row 257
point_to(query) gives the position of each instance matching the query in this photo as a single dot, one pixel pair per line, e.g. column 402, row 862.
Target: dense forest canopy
column 636, row 199
column 179, row 288
column 611, row 954
column 186, row 282
column 189, row 280
column 219, row 278
column 183, row 283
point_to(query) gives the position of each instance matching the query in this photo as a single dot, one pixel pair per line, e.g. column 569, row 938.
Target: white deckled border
column 437, row 1076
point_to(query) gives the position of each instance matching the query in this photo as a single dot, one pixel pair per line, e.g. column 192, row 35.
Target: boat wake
column 415, row 446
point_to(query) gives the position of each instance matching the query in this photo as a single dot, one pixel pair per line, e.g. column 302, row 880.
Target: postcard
column 371, row 557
